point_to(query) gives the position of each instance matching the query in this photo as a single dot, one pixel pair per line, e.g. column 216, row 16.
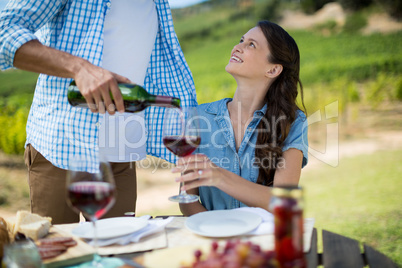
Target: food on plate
column 31, row 225
column 4, row 237
column 234, row 254
column 54, row 246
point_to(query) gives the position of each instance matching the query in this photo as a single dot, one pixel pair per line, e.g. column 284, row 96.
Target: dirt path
column 377, row 23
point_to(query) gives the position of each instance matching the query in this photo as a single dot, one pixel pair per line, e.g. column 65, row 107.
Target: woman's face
column 249, row 58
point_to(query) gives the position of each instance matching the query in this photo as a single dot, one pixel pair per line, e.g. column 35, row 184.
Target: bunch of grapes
column 235, row 254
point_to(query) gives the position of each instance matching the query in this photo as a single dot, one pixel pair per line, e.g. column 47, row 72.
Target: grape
column 197, row 254
column 234, row 254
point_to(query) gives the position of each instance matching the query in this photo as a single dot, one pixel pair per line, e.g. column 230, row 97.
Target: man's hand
column 96, row 84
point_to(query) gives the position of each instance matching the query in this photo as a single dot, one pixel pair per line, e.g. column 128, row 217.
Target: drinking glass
column 181, row 136
column 90, row 191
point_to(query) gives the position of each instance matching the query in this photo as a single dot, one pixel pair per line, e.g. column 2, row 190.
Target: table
column 341, row 251
column 338, row 250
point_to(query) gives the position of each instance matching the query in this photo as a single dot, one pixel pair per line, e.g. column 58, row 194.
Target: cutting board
column 172, row 257
column 82, row 252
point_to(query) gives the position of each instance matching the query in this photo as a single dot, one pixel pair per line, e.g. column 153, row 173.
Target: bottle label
column 164, row 101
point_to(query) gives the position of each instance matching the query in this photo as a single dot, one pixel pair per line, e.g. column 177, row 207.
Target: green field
column 359, row 202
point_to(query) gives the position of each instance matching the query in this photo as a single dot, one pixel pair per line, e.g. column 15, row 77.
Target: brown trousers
column 47, row 185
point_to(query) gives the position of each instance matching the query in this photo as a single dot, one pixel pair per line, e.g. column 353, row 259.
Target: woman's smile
column 235, row 58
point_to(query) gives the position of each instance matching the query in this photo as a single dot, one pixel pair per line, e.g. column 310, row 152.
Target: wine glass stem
column 182, row 192
column 95, row 262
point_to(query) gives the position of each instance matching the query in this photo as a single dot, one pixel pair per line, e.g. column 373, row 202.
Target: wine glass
column 90, row 191
column 181, row 136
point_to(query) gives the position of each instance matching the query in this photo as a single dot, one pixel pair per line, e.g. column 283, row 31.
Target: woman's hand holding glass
column 198, row 170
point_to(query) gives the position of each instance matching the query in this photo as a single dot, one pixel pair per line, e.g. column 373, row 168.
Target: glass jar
column 287, row 207
column 22, row 254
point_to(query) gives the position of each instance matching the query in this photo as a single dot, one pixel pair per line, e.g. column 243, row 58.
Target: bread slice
column 31, row 225
column 10, row 228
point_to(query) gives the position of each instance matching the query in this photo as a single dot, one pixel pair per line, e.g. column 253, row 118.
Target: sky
column 173, row 3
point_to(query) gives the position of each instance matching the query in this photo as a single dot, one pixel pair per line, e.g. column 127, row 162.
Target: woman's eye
column 241, row 41
column 252, row 44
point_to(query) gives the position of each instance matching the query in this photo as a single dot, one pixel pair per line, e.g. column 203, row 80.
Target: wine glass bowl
column 91, row 193
column 182, row 146
column 181, row 136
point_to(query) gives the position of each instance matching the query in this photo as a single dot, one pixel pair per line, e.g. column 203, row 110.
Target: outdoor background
column 351, row 66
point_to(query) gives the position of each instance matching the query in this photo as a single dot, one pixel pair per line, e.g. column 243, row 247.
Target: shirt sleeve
column 297, row 137
column 18, row 23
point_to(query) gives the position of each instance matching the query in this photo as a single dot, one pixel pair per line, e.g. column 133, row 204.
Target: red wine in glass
column 182, row 145
column 92, row 198
column 181, row 136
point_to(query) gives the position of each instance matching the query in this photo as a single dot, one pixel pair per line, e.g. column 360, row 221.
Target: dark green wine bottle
column 135, row 98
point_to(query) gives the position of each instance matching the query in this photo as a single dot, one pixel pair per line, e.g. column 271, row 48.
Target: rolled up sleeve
column 297, row 137
column 12, row 38
column 18, row 23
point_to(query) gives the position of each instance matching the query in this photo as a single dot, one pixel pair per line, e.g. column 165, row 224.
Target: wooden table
column 341, row 251
column 338, row 252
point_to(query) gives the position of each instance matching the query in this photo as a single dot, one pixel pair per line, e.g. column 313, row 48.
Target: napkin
column 154, row 226
column 267, row 224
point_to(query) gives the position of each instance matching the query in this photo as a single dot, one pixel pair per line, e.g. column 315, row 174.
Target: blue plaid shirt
column 56, row 129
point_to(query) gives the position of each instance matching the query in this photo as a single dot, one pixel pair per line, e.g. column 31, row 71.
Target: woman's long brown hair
column 281, row 101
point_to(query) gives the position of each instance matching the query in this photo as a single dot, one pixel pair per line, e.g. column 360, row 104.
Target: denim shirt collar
column 220, row 107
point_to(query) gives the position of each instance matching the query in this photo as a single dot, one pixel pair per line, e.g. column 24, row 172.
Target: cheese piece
column 31, row 225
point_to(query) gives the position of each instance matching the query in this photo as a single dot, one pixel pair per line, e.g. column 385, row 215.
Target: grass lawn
column 361, row 199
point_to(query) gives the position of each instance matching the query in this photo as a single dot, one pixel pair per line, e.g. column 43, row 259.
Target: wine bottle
column 135, row 98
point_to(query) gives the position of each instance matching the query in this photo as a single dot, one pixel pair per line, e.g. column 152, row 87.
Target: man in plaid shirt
column 97, row 43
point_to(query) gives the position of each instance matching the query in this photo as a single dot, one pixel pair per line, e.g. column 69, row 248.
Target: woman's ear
column 274, row 71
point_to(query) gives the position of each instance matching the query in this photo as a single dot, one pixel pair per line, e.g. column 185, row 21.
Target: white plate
column 111, row 227
column 223, row 223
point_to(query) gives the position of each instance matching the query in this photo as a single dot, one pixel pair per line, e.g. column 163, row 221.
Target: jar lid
column 288, row 191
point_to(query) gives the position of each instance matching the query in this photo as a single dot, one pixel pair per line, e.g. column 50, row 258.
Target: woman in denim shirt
column 257, row 139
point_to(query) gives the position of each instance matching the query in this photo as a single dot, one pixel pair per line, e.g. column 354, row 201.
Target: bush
column 398, row 90
column 269, row 11
column 330, row 26
column 311, row 6
column 355, row 5
column 392, row 7
column 12, row 131
column 355, row 22
column 13, row 117
column 382, row 89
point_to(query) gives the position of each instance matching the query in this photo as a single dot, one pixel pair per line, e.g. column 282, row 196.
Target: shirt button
column 97, row 124
column 108, row 4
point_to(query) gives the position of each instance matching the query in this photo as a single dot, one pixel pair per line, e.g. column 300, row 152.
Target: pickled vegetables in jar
column 287, row 206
